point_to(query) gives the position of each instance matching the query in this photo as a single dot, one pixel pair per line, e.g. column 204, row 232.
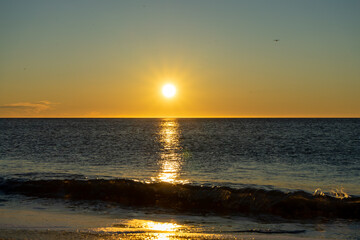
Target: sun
column 169, row 90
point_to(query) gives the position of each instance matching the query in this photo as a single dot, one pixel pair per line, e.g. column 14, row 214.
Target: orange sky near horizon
column 111, row 59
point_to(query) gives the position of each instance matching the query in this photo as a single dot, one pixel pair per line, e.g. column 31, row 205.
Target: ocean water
column 251, row 175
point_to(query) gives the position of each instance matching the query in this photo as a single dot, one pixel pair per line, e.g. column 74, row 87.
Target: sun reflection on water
column 171, row 158
column 161, row 226
column 148, row 229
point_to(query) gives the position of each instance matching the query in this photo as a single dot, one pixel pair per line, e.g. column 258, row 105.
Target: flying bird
column 276, row 40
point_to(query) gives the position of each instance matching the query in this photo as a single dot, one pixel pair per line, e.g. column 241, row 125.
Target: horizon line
column 181, row 117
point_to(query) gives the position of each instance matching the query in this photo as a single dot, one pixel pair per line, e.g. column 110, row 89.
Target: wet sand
column 41, row 224
column 49, row 235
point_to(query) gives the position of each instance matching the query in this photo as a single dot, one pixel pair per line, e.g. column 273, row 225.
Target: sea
column 207, row 178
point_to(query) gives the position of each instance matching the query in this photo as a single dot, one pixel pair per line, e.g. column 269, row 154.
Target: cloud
column 28, row 106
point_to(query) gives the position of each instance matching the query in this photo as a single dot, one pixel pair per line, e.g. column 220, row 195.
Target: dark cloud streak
column 33, row 107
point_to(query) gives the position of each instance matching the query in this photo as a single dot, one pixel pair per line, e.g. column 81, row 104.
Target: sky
column 88, row 58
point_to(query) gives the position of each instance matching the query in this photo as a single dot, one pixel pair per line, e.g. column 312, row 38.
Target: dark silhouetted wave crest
column 189, row 198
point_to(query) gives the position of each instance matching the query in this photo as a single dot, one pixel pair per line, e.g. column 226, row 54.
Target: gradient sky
column 88, row 58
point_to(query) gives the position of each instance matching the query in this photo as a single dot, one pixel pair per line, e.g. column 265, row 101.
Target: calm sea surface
column 289, row 155
column 302, row 154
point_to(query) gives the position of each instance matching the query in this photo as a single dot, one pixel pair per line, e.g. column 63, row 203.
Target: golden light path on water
column 170, row 162
column 171, row 157
column 152, row 230
column 145, row 228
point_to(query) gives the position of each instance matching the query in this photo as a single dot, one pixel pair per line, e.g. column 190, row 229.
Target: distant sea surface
column 208, row 165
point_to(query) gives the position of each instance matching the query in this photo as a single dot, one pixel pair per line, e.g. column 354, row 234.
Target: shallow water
column 233, row 169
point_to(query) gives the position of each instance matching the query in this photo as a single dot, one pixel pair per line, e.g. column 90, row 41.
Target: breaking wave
column 189, row 198
column 336, row 193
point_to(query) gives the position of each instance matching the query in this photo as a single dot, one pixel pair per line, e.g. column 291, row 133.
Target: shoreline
column 51, row 223
column 48, row 235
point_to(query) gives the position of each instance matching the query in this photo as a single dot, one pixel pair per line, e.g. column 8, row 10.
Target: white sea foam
column 336, row 193
column 339, row 193
column 318, row 192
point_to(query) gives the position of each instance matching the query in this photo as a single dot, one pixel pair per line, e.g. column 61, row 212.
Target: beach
column 179, row 119
column 45, row 224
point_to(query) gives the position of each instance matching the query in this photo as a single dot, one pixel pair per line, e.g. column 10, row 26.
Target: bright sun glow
column 169, row 90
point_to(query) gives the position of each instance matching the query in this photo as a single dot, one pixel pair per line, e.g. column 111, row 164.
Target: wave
column 189, row 198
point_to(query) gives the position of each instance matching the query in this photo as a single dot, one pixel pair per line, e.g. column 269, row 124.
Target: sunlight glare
column 155, row 230
column 169, row 90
